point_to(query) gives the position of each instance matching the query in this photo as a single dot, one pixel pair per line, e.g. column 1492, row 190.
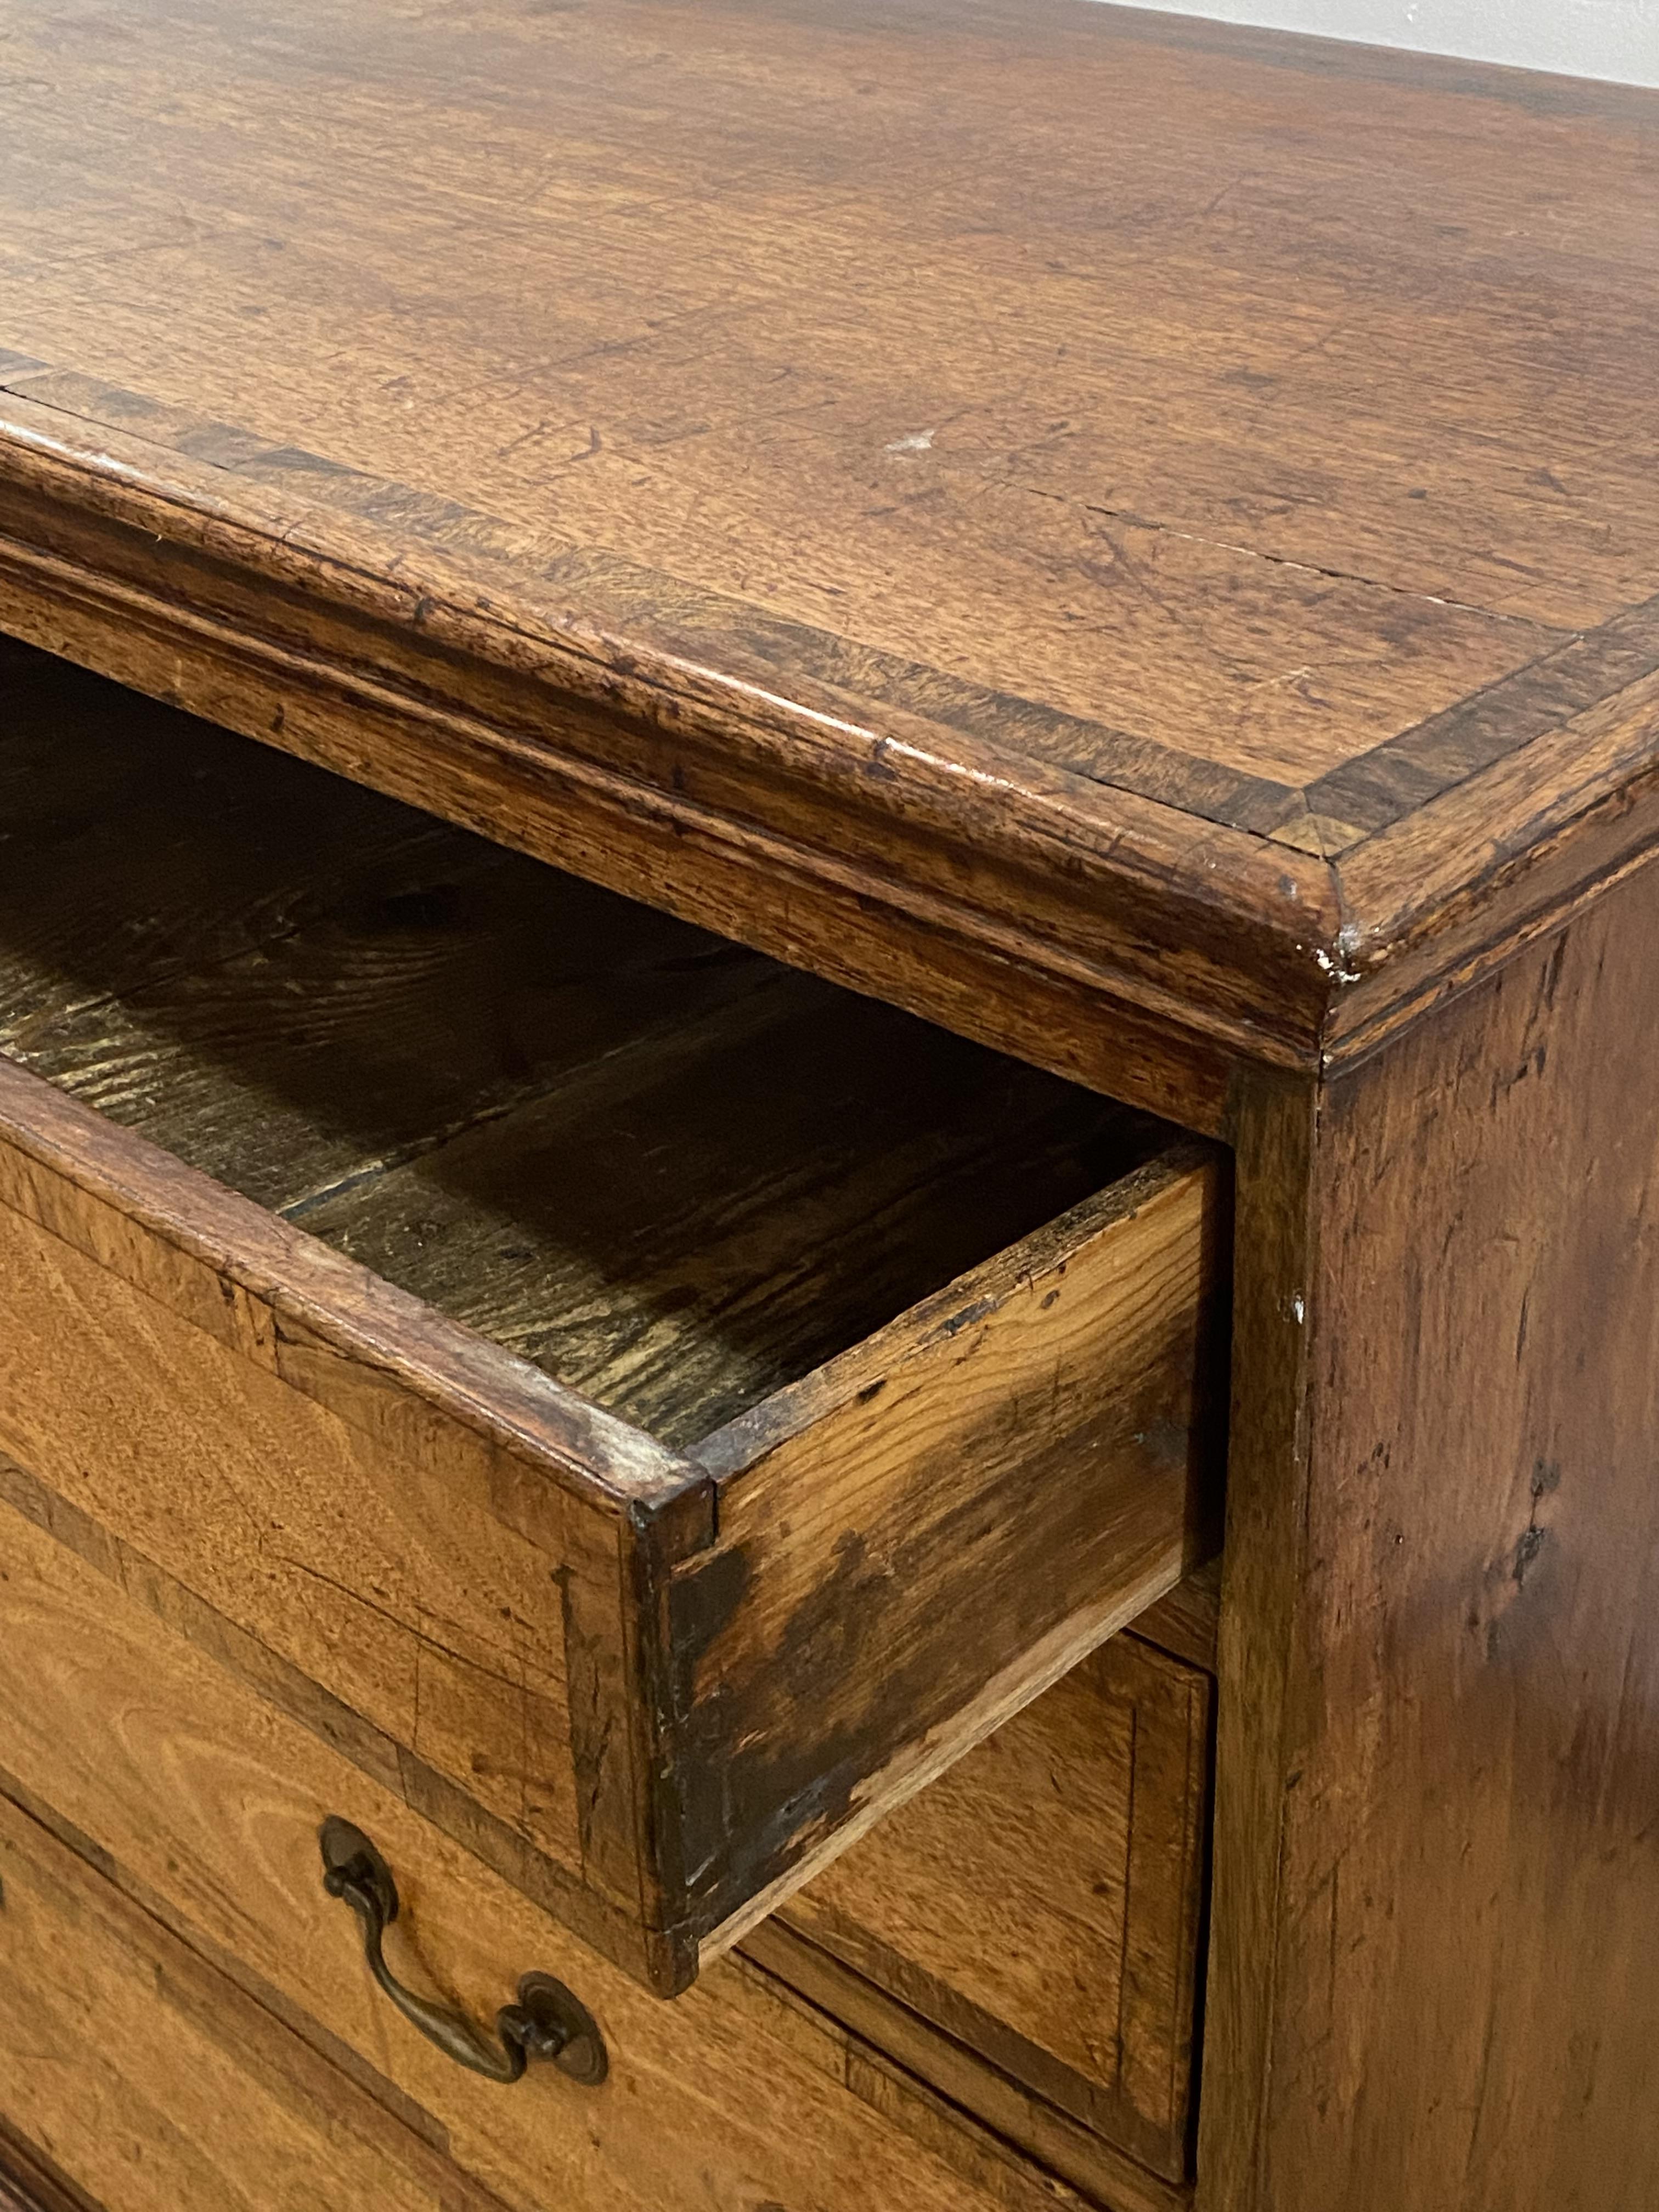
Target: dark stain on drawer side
column 1025, row 1455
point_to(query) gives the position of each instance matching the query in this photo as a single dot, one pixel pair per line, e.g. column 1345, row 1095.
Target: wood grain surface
column 673, row 1174
column 1040, row 1902
column 815, row 433
column 202, row 1803
column 1188, row 1622
column 1038, row 1450
column 29, row 2183
column 1079, row 2155
column 158, row 2087
column 1437, row 1897
column 523, row 1608
column 690, row 1181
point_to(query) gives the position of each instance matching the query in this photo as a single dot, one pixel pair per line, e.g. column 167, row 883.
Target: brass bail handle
column 549, row 2023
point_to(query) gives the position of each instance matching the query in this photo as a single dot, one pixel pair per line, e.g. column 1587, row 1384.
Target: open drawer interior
column 670, row 1172
column 812, row 1249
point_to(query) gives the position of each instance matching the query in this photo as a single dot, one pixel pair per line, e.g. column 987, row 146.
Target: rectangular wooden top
column 1167, row 515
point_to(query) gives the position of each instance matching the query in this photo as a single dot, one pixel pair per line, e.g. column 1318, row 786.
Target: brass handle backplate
column 548, row 2022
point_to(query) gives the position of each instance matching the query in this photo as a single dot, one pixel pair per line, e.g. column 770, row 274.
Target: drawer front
column 586, row 1654
column 1042, row 1904
column 204, row 1800
column 155, row 2085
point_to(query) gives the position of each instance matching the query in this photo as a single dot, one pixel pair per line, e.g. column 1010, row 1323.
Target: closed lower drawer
column 153, row 2085
column 203, row 1796
column 1034, row 1918
column 608, row 1367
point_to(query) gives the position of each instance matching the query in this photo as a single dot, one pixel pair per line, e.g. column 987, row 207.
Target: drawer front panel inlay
column 1041, row 1902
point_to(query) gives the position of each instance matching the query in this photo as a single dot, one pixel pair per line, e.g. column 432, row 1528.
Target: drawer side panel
column 965, row 1507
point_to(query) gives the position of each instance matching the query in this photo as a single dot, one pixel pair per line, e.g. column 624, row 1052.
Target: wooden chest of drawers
column 829, row 1103
column 287, row 1544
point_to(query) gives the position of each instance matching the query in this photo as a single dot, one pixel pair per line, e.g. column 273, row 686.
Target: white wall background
column 1617, row 39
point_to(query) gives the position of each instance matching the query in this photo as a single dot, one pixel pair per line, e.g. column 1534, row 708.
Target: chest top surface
column 1194, row 487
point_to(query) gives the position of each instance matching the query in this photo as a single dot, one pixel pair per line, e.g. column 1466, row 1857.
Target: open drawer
column 653, row 1409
